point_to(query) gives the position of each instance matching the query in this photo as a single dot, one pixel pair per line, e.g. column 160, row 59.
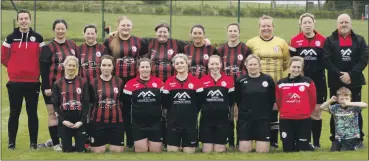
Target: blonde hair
column 343, row 91
column 72, row 58
column 265, row 17
column 306, row 15
column 297, row 58
column 180, row 55
column 252, row 56
column 115, row 43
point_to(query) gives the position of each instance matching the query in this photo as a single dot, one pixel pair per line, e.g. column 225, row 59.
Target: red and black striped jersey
column 89, row 57
column 107, row 100
column 311, row 49
column 130, row 51
column 161, row 55
column 52, row 58
column 183, row 101
column 218, row 98
column 198, row 57
column 71, row 99
column 143, row 98
column 234, row 58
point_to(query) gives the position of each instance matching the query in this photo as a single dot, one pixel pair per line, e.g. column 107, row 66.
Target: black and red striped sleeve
column 56, row 101
column 6, row 51
column 312, row 95
column 85, row 101
column 45, row 63
column 144, row 48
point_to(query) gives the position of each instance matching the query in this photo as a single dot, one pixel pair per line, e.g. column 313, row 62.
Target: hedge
column 206, row 10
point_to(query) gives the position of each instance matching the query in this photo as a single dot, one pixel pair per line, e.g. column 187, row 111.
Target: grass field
column 143, row 27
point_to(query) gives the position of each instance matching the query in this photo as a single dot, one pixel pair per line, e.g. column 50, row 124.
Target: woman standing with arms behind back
column 309, row 45
column 51, row 67
column 199, row 52
column 274, row 55
column 126, row 50
column 90, row 54
column 233, row 54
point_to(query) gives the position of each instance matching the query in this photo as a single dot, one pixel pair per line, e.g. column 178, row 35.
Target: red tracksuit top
column 295, row 97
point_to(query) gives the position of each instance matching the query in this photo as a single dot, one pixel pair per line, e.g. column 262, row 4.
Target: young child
column 346, row 120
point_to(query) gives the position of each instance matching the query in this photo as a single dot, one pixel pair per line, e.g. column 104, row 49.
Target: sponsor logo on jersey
column 346, row 54
column 182, row 98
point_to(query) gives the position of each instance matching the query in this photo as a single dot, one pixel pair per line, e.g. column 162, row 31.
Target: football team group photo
column 138, row 94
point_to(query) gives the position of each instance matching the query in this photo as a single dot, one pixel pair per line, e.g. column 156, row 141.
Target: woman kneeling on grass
column 142, row 97
column 215, row 121
column 71, row 104
column 106, row 115
column 346, row 120
column 296, row 100
column 255, row 97
column 183, row 96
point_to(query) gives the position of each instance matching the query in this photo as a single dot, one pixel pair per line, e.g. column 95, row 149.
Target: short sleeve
column 333, row 109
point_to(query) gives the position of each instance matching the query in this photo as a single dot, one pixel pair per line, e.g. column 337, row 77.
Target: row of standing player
column 273, row 64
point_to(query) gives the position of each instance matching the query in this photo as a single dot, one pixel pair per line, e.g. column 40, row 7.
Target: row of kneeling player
column 104, row 101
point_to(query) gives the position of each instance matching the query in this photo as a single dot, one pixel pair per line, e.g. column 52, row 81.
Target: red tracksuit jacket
column 295, row 97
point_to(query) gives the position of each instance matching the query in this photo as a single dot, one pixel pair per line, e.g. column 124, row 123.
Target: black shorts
column 106, row 133
column 345, row 145
column 182, row 137
column 153, row 133
column 321, row 89
column 47, row 99
column 258, row 130
column 214, row 133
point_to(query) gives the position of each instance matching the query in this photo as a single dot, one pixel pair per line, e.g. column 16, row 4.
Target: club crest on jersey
column 317, row 43
column 240, row 57
column 115, row 90
column 154, row 85
column 134, row 49
column 223, row 83
column 265, row 84
column 170, row 52
column 206, row 56
column 275, row 48
column 72, row 51
column 190, row 86
column 78, row 90
column 32, row 38
column 302, row 88
column 98, row 54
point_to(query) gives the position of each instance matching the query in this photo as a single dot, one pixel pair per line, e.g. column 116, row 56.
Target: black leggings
column 17, row 91
column 66, row 134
